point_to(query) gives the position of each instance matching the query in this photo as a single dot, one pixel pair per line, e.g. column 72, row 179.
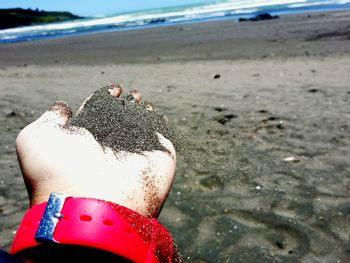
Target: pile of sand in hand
column 121, row 124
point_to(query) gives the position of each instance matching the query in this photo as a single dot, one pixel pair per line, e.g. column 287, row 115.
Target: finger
column 115, row 90
column 134, row 96
column 167, row 145
column 149, row 106
column 59, row 113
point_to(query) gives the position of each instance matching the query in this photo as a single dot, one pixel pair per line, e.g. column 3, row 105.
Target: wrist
column 137, row 203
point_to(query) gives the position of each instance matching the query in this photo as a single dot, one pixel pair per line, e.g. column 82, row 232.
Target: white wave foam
column 216, row 9
column 8, row 37
column 316, row 3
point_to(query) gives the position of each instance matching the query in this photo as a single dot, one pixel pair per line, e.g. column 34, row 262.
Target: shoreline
column 165, row 22
column 290, row 36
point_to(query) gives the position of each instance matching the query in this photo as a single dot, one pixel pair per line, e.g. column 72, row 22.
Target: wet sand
column 266, row 174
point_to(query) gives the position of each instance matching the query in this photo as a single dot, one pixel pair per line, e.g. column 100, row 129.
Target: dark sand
column 122, row 125
column 266, row 108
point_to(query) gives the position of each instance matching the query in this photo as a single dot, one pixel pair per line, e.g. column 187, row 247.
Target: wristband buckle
column 51, row 217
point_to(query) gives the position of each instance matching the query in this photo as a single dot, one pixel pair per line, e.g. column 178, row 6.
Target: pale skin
column 70, row 161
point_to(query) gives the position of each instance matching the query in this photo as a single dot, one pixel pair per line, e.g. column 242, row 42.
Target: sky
column 96, row 7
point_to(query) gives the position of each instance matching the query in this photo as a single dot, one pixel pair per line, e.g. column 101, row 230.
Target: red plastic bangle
column 95, row 223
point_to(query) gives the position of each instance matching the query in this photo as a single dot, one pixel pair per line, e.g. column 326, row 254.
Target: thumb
column 59, row 113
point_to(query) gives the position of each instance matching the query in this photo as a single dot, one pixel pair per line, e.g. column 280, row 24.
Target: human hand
column 57, row 156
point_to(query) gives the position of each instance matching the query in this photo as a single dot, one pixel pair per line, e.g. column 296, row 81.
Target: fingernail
column 62, row 108
column 115, row 90
column 149, row 106
column 134, row 96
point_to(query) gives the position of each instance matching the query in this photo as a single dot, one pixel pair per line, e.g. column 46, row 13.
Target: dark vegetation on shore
column 17, row 17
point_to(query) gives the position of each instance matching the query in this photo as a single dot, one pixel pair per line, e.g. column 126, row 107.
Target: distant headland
column 16, row 17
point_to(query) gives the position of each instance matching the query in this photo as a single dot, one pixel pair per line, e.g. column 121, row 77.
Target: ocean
column 216, row 10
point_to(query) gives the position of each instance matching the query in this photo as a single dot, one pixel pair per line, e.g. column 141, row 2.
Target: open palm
column 55, row 157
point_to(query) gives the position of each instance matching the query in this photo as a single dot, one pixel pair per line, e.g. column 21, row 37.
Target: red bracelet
column 95, row 223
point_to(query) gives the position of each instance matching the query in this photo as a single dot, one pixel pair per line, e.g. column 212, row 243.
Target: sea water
column 227, row 9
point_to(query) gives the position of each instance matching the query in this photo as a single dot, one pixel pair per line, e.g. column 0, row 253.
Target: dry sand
column 266, row 107
column 121, row 124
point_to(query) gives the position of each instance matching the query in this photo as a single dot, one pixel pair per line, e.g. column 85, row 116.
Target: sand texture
column 121, row 124
column 265, row 106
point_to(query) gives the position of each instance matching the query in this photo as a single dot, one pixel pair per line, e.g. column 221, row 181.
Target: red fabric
column 104, row 225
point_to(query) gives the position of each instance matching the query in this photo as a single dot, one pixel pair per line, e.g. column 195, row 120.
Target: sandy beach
column 265, row 107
